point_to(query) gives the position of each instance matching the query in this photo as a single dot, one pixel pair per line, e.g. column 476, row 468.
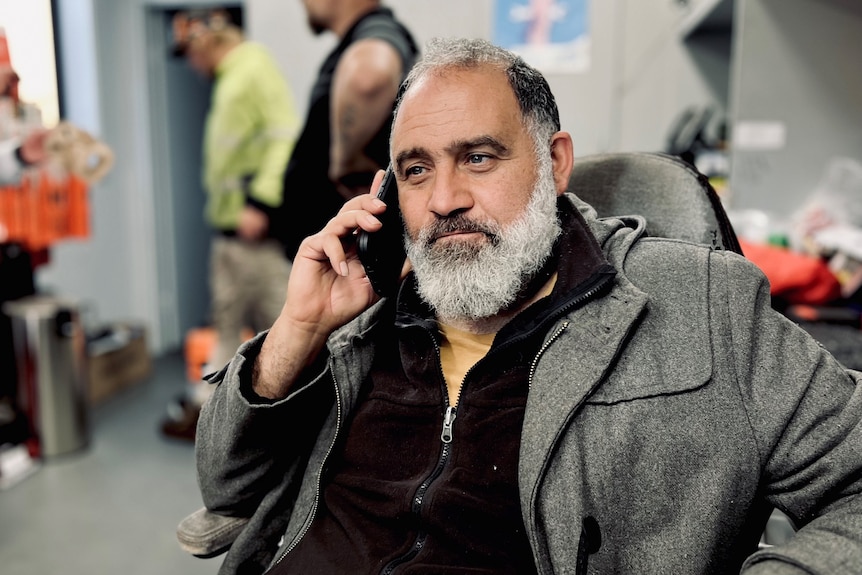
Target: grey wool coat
column 664, row 421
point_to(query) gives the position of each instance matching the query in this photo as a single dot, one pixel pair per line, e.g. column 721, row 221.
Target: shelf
column 707, row 17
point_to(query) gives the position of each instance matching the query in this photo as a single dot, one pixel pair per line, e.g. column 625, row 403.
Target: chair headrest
column 676, row 200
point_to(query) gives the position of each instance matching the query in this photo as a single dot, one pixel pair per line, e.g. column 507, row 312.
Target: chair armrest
column 205, row 534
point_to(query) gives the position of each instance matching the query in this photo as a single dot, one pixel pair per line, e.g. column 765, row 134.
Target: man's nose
column 451, row 193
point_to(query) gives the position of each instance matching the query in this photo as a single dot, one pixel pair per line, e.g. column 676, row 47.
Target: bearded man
column 549, row 392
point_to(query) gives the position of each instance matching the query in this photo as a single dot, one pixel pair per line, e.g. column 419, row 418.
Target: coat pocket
column 588, row 544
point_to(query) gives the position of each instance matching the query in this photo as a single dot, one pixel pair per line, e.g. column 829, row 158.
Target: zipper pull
column 448, row 420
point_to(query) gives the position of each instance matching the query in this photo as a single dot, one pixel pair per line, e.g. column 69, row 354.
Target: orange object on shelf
column 42, row 210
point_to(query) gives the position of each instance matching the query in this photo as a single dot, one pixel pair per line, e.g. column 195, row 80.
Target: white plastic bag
column 836, row 202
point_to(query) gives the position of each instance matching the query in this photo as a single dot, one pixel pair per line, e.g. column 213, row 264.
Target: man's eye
column 477, row 158
column 414, row 171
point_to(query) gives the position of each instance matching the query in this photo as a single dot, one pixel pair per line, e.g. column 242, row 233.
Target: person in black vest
column 345, row 137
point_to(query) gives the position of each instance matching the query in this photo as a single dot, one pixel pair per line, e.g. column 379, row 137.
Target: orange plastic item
column 199, row 345
column 43, row 210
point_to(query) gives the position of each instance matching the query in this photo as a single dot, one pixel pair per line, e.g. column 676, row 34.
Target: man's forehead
column 481, row 77
column 463, row 105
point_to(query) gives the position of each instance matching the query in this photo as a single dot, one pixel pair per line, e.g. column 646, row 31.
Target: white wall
column 102, row 271
column 641, row 75
column 586, row 100
column 282, row 26
column 659, row 76
column 105, row 52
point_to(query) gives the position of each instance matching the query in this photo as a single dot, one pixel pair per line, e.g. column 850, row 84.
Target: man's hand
column 33, row 149
column 253, row 224
column 327, row 288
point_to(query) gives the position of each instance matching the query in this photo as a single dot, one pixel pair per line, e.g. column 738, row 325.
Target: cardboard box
column 118, row 358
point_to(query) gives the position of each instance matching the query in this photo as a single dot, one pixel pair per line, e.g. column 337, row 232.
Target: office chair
column 676, row 200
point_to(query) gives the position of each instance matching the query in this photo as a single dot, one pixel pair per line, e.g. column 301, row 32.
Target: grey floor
column 112, row 508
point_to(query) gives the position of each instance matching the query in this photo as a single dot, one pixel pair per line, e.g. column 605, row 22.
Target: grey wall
column 661, row 73
column 798, row 66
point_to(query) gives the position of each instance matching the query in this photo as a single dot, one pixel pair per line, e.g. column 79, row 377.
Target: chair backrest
column 676, row 200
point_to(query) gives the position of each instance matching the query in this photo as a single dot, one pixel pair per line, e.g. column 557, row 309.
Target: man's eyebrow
column 463, row 146
column 411, row 154
column 456, row 148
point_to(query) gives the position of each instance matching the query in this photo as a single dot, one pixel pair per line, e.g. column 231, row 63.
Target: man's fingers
column 333, row 250
column 338, row 236
column 331, row 241
column 357, row 213
column 375, row 183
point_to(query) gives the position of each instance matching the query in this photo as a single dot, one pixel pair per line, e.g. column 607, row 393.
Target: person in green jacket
column 249, row 135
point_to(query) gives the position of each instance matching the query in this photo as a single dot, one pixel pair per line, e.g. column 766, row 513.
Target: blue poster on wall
column 552, row 35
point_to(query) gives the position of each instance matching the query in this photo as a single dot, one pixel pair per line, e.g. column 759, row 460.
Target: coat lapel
column 584, row 344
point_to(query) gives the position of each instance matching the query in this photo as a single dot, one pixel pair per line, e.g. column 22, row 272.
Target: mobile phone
column 382, row 252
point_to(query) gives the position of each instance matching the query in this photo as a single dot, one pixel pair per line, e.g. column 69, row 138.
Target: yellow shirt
column 461, row 350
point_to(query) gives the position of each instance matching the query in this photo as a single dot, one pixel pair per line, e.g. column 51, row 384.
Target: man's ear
column 562, row 160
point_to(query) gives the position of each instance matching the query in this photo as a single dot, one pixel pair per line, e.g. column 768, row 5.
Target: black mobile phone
column 382, row 252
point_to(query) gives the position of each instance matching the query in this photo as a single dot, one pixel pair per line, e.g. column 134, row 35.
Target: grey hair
column 531, row 89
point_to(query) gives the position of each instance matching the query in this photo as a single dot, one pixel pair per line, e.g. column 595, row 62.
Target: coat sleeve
column 805, row 412
column 247, row 447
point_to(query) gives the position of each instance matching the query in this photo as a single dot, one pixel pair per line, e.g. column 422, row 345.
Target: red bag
column 795, row 277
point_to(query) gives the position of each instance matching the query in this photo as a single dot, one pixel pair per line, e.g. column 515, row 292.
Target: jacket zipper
column 598, row 285
column 448, row 422
column 542, row 351
column 419, row 496
column 307, row 525
column 446, row 437
column 416, row 508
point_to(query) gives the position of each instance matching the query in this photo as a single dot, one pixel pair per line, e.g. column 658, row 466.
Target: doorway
column 179, row 103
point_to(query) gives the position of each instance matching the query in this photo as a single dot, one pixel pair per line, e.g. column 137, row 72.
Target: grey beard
column 468, row 281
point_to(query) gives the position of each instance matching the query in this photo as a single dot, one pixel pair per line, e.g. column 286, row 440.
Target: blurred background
column 763, row 96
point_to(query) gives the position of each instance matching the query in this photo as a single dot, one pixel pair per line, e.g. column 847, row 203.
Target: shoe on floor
column 181, row 421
